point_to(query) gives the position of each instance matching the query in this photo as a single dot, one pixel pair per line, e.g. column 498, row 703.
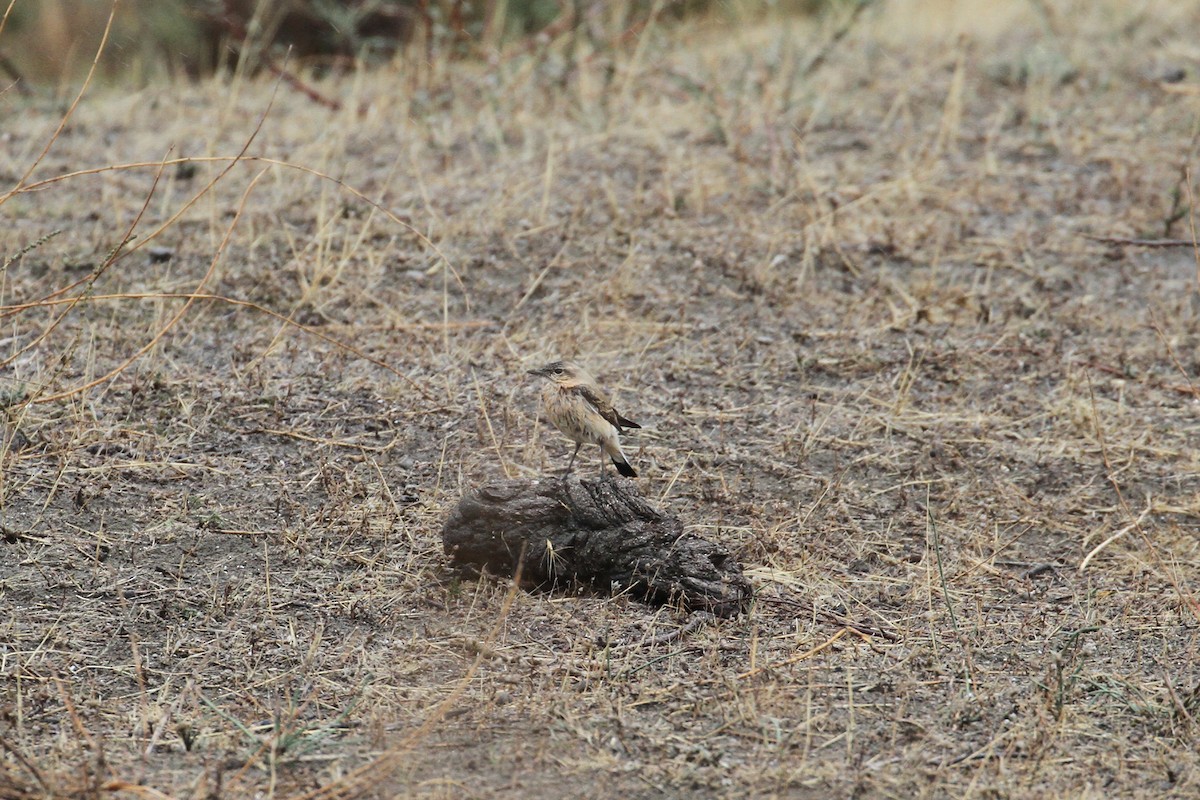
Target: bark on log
column 600, row 532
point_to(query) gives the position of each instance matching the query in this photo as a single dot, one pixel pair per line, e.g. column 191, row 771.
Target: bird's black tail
column 624, row 468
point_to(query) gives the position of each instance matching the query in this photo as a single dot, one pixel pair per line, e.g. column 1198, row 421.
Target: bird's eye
column 558, row 370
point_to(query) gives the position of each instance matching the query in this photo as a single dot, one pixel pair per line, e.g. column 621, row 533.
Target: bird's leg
column 572, row 461
column 602, row 454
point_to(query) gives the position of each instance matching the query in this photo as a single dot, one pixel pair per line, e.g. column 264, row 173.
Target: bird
column 575, row 403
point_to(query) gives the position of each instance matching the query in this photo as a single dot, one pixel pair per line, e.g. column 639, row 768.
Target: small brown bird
column 579, row 408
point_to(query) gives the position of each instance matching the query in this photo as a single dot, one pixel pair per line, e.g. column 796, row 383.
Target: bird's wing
column 604, row 408
column 599, row 402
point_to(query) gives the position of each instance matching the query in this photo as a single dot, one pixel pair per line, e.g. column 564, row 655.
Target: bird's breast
column 575, row 416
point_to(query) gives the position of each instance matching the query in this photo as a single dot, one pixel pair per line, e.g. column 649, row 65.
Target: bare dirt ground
column 952, row 440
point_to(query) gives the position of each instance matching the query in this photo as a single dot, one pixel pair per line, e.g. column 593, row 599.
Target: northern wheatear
column 580, row 409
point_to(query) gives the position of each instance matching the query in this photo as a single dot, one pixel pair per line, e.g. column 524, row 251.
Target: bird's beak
column 537, row 372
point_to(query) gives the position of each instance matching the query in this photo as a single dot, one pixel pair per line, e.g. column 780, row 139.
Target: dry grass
column 851, row 304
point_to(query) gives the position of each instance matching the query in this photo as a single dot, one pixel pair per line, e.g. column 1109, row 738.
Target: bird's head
column 565, row 373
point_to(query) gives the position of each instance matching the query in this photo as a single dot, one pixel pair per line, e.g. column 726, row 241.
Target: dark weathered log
column 596, row 531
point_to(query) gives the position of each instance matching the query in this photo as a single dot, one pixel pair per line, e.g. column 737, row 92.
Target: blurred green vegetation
column 47, row 41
